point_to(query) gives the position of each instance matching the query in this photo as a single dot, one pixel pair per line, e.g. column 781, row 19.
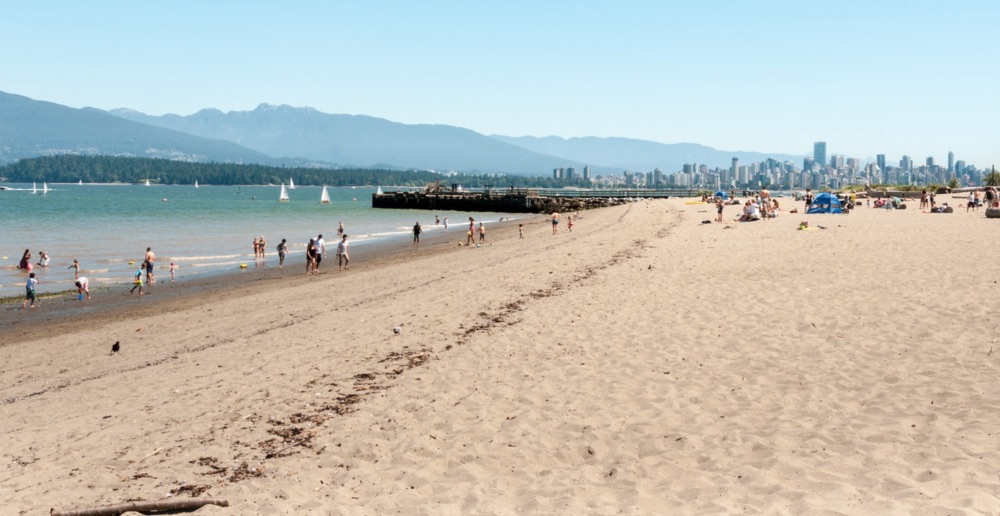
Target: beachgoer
column 256, row 247
column 137, row 282
column 569, row 222
column 718, row 208
column 340, row 228
column 470, row 235
column 82, row 286
column 416, row 233
column 520, row 230
column 150, row 258
column 320, row 252
column 970, row 202
column 311, row 256
column 25, row 262
column 262, row 244
column 342, row 258
column 808, row 197
column 282, row 249
column 172, row 269
column 29, row 290
column 76, row 269
column 446, row 223
column 482, row 233
column 436, row 220
column 555, row 222
column 43, row 259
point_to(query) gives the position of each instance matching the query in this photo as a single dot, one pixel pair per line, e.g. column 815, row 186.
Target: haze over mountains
column 285, row 135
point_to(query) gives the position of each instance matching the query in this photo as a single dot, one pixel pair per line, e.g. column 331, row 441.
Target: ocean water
column 206, row 230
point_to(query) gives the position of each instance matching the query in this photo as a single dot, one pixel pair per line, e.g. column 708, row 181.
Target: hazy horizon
column 889, row 78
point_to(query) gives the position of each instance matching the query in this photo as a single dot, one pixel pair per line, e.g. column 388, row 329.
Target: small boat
column 291, row 184
column 81, row 182
column 284, row 193
column 325, row 196
column 34, row 189
column 147, row 182
column 379, row 191
column 196, row 183
column 45, row 188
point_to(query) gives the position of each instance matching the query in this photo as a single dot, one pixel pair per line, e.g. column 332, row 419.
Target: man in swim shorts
column 148, row 261
column 555, row 222
column 83, row 286
column 342, row 258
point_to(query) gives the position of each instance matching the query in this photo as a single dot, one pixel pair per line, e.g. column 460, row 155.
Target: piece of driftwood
column 185, row 504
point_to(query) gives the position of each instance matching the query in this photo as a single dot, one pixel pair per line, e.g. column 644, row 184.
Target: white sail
column 284, row 193
column 379, row 191
column 45, row 188
column 81, row 182
column 147, row 182
column 34, row 189
column 325, row 196
column 291, row 184
column 196, row 183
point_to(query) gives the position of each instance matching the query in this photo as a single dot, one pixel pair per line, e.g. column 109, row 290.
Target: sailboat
column 325, row 196
column 379, row 191
column 81, row 182
column 284, row 193
column 34, row 189
column 291, row 184
column 147, row 182
column 45, row 188
column 196, row 183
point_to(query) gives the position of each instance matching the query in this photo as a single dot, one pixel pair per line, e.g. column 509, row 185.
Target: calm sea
column 202, row 230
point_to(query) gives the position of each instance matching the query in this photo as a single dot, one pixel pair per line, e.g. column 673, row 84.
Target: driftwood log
column 186, row 504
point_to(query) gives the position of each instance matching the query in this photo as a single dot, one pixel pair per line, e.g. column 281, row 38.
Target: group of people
column 760, row 206
column 316, row 252
column 81, row 282
column 990, row 199
column 259, row 245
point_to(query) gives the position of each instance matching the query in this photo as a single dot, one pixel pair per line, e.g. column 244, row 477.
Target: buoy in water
column 164, row 199
column 243, row 266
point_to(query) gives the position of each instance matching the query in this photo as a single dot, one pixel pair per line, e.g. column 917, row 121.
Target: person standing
column 520, row 231
column 83, row 286
column 446, row 223
column 569, row 222
column 482, row 233
column 555, row 222
column 340, row 228
column 470, row 235
column 76, row 269
column 282, row 249
column 25, row 262
column 718, row 208
column 417, row 230
column 256, row 248
column 29, row 290
column 172, row 268
column 311, row 256
column 148, row 262
column 262, row 245
column 342, row 259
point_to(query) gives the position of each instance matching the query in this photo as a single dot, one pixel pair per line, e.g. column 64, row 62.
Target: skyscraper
column 951, row 161
column 736, row 167
column 819, row 153
column 880, row 161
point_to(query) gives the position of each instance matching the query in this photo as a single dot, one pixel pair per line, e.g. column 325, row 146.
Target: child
column 29, row 288
column 569, row 223
column 342, row 259
column 482, row 232
column 172, row 267
column 76, row 269
column 138, row 279
column 282, row 249
column 520, row 230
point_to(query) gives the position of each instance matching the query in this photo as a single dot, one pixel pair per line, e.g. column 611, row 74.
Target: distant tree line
column 68, row 168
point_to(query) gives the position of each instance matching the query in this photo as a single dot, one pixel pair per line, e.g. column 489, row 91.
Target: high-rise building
column 880, row 161
column 586, row 172
column 557, row 173
column 570, row 173
column 735, row 169
column 951, row 161
column 930, row 161
column 819, row 153
column 906, row 163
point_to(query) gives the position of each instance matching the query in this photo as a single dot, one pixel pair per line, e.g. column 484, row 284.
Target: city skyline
column 727, row 75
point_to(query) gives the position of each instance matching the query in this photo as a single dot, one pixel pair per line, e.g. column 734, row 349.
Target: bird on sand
column 116, row 347
column 398, row 329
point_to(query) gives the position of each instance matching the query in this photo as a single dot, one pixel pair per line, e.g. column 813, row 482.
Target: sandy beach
column 645, row 363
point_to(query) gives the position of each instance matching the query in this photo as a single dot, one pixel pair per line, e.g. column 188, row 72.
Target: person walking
column 148, row 262
column 137, row 283
column 555, row 222
column 482, row 233
column 417, row 230
column 342, row 258
column 282, row 249
column 320, row 251
column 29, row 290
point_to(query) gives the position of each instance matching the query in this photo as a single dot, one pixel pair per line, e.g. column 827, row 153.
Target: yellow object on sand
column 131, row 263
column 243, row 266
column 695, row 202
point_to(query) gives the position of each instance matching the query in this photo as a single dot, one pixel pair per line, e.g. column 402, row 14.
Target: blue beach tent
column 722, row 194
column 825, row 203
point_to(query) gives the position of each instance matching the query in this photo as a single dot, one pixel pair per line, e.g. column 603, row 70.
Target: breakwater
column 510, row 200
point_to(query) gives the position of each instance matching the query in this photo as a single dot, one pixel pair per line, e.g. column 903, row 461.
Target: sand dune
column 643, row 364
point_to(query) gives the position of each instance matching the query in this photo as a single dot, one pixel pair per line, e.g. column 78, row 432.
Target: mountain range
column 302, row 136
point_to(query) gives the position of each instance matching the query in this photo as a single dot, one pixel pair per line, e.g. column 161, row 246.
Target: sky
column 913, row 77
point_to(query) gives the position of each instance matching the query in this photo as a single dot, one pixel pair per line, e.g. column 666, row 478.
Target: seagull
column 398, row 329
column 116, row 347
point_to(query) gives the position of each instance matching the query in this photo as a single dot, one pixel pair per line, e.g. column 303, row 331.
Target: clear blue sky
column 914, row 77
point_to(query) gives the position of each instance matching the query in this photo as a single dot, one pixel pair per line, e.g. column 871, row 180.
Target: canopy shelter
column 722, row 194
column 826, row 203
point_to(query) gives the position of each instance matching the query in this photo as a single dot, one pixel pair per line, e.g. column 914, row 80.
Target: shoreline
column 59, row 312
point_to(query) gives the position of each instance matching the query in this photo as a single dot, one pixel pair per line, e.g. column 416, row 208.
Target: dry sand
column 643, row 364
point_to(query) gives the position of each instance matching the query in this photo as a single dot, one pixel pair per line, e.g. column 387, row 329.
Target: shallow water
column 202, row 230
